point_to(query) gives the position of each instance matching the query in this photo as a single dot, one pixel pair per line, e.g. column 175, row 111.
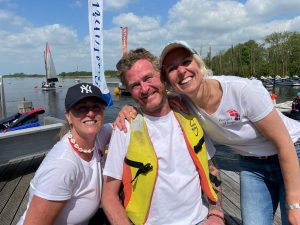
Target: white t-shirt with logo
column 243, row 102
column 177, row 194
column 63, row 175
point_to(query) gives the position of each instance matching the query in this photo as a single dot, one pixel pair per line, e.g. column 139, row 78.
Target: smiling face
column 182, row 71
column 146, row 87
column 86, row 118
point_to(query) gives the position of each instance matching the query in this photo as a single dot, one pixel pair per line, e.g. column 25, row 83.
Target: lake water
column 18, row 89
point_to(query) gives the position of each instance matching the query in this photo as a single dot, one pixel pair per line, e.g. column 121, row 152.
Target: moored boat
column 124, row 91
column 121, row 90
column 51, row 76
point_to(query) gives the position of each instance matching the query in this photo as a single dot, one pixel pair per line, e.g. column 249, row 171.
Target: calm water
column 18, row 89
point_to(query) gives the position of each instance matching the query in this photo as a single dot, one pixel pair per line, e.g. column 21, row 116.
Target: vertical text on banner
column 95, row 11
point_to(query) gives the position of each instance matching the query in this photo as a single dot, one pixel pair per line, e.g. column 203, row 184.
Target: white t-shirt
column 63, row 175
column 243, row 102
column 177, row 194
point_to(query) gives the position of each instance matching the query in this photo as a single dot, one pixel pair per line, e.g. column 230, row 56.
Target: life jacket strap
column 142, row 169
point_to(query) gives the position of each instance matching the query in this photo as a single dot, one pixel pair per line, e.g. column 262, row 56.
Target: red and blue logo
column 234, row 114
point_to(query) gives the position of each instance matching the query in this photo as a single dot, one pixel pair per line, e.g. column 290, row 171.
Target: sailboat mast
column 45, row 59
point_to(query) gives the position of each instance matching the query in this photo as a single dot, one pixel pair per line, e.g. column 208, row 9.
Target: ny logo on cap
column 87, row 89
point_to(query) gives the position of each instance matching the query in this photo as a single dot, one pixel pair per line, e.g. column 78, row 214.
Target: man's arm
column 111, row 202
column 215, row 211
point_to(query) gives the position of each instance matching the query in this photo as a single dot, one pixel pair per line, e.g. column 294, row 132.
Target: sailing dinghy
column 51, row 76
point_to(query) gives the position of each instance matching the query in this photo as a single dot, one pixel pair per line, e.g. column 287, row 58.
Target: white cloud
column 203, row 23
column 25, row 47
column 10, row 21
column 272, row 8
column 220, row 24
column 137, row 23
column 78, row 3
column 142, row 32
column 116, row 4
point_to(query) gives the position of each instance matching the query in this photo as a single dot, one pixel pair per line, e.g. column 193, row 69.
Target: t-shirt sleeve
column 116, row 153
column 55, row 180
column 256, row 101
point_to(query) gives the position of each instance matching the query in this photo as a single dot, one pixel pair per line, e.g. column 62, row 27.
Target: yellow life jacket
column 141, row 165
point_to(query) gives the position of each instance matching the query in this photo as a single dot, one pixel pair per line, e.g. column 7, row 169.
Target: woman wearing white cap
column 66, row 188
column 239, row 113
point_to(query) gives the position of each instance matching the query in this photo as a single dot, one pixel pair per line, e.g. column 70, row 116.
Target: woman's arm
column 273, row 128
column 128, row 112
column 42, row 211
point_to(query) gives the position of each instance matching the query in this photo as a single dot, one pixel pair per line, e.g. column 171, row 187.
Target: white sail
column 51, row 76
column 49, row 66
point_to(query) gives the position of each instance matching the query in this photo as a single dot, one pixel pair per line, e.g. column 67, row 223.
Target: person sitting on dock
column 66, row 189
column 295, row 112
column 162, row 161
column 274, row 97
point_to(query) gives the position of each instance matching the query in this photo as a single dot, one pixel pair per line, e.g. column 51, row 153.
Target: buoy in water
column 117, row 91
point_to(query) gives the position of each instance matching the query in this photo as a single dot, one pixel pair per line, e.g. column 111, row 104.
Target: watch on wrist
column 293, row 206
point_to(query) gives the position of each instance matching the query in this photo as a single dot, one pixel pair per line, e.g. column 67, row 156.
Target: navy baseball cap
column 81, row 91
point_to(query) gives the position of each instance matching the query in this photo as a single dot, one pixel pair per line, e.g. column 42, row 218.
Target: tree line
column 107, row 73
column 279, row 54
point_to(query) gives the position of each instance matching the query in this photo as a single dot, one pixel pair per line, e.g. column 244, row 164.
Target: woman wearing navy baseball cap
column 66, row 188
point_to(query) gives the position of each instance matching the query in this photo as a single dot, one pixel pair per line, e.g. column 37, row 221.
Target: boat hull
column 48, row 86
column 22, row 143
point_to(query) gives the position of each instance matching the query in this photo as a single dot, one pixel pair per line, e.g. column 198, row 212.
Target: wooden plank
column 235, row 176
column 232, row 212
column 15, row 190
column 23, row 206
column 277, row 218
column 230, row 199
column 11, row 182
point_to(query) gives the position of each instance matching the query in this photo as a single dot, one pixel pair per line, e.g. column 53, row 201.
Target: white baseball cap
column 173, row 45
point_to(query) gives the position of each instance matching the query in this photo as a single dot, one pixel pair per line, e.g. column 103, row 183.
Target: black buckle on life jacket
column 198, row 147
column 214, row 179
column 142, row 169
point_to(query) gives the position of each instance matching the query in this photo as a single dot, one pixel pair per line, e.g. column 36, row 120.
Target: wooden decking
column 15, row 178
column 14, row 182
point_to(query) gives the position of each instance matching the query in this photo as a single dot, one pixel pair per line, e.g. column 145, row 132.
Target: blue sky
column 26, row 25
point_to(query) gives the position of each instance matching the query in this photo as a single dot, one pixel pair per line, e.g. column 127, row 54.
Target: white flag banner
column 95, row 9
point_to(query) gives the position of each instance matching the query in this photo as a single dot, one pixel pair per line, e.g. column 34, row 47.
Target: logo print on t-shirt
column 234, row 114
